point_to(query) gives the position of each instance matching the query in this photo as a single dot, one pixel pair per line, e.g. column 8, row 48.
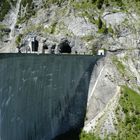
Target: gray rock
column 114, row 18
column 79, row 26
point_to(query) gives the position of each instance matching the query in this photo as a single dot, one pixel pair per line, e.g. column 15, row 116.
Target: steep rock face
column 79, row 27
column 114, row 18
column 103, row 94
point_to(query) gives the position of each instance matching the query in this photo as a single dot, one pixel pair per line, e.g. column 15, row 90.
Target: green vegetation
column 49, row 2
column 94, row 50
column 1, row 35
column 102, row 4
column 100, row 23
column 5, row 6
column 34, row 28
column 120, row 3
column 103, row 30
column 82, row 5
column 25, row 2
column 88, row 136
column 21, row 20
column 110, row 30
column 125, row 72
column 88, row 38
column 2, row 28
column 51, row 29
column 128, row 117
column 119, row 65
column 128, row 126
column 18, row 39
column 133, row 96
column 99, row 3
column 30, row 11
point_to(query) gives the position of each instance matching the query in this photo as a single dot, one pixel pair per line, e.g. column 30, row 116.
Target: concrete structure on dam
column 43, row 96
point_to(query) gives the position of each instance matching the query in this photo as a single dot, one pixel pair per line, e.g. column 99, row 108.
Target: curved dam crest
column 43, row 96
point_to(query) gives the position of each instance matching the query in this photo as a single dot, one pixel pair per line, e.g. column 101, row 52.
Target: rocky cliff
column 88, row 25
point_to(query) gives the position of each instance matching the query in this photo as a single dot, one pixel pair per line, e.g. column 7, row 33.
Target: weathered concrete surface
column 42, row 96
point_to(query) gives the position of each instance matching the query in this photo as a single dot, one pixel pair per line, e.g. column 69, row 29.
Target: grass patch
column 18, row 39
column 4, row 8
column 30, row 11
column 88, row 136
column 82, row 5
column 27, row 2
column 119, row 65
column 88, row 38
column 2, row 28
column 129, row 127
column 132, row 96
column 34, row 28
column 51, row 29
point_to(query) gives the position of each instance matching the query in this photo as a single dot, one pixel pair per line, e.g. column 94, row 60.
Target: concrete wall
column 42, row 96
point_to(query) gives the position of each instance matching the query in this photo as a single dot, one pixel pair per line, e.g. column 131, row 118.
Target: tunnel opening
column 45, row 47
column 65, row 47
column 34, row 46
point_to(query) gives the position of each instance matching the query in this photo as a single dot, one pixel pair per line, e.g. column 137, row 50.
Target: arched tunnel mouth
column 65, row 47
column 35, row 45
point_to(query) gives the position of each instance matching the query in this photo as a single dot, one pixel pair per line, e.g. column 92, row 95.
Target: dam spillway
column 42, row 96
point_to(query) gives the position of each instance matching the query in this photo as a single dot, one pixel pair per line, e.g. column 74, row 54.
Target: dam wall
column 43, row 96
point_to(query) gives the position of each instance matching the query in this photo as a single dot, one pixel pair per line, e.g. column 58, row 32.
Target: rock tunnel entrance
column 35, row 45
column 65, row 47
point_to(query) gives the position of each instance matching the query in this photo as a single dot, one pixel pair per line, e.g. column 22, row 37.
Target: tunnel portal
column 65, row 47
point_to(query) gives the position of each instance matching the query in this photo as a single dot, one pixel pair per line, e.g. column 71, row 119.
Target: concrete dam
column 43, row 96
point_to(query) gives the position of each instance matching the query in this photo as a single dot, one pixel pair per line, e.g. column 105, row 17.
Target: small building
column 101, row 52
